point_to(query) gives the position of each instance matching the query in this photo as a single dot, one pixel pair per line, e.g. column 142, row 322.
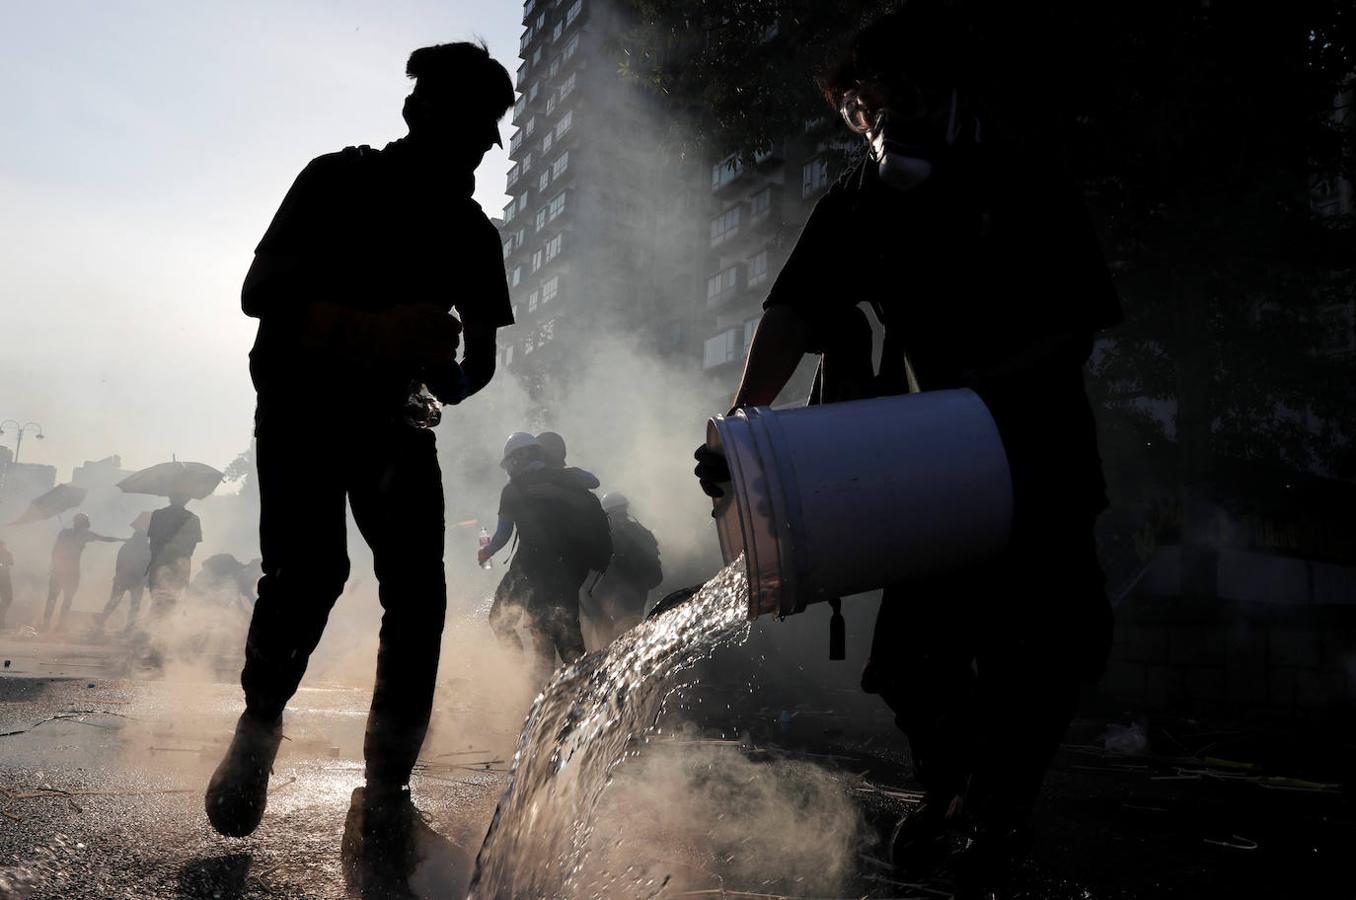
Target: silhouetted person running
column 623, row 591
column 562, row 534
column 972, row 245
column 173, row 534
column 66, row 554
column 353, row 285
column 129, row 577
column 6, row 585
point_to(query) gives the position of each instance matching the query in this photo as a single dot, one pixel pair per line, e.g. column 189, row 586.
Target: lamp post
column 18, row 445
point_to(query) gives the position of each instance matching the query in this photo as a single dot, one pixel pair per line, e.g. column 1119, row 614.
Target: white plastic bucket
column 838, row 499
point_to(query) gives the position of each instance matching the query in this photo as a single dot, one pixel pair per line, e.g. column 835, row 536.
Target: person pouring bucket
column 974, row 250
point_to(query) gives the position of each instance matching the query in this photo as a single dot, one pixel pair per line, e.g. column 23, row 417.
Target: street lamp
column 19, row 439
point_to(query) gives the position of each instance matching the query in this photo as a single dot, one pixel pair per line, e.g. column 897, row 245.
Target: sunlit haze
column 147, row 146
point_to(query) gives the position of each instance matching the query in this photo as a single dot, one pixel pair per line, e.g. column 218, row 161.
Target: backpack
column 636, row 553
column 568, row 519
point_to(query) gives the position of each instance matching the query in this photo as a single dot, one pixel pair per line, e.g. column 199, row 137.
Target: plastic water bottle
column 485, row 540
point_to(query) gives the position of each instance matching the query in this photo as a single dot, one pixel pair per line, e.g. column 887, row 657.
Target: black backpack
column 567, row 518
column 636, row 553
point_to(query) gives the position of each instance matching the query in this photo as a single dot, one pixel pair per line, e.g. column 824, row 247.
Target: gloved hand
column 711, row 470
column 481, row 557
column 447, row 382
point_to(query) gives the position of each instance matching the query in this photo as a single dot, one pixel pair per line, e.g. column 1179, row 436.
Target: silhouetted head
column 520, row 451
column 179, row 499
column 81, row 522
column 460, row 94
column 553, row 446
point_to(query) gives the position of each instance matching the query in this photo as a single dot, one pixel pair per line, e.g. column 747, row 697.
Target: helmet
column 614, row 500
column 553, row 445
column 516, row 443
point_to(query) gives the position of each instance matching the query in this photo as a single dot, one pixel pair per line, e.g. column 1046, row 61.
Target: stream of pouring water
column 581, row 727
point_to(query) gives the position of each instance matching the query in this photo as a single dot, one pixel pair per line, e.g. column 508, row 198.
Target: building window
column 510, row 210
column 760, row 204
column 749, row 328
column 541, row 218
column 529, row 127
column 551, row 104
column 565, row 122
column 567, row 86
column 541, row 21
column 519, row 237
column 814, row 175
column 534, row 92
column 546, row 142
column 560, row 165
column 508, row 355
column 519, row 106
column 573, row 12
column 532, row 301
column 553, row 248
column 571, row 48
column 516, row 143
column 517, row 277
column 513, row 174
column 524, row 41
column 525, row 166
column 544, row 181
column 721, row 349
column 548, row 330
column 537, row 260
column 721, row 285
column 536, row 56
column 522, row 203
column 549, row 288
column 758, row 269
column 508, row 247
column 529, row 344
column 557, row 32
column 725, row 226
column 557, row 206
column 726, row 171
column 555, row 68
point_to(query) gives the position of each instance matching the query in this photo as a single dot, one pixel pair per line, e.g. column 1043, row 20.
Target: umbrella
column 197, row 480
column 53, row 503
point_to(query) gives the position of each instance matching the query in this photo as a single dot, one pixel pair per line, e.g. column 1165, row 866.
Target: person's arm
column 782, row 338
column 499, row 540
column 108, row 540
column 478, row 363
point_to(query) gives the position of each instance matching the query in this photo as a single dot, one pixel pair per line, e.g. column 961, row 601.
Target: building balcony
column 727, row 174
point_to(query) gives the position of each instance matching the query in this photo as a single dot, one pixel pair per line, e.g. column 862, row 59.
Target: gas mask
column 905, row 145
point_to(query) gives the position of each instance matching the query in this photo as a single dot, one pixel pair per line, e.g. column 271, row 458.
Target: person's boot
column 924, row 838
column 238, row 791
column 983, row 868
column 385, row 839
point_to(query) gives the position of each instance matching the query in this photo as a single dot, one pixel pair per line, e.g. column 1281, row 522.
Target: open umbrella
column 53, row 503
column 197, row 480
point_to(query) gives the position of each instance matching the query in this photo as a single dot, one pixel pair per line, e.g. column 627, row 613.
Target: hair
column 926, row 42
column 447, row 72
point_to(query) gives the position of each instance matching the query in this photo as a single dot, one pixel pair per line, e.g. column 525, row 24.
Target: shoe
column 385, row 840
column 238, row 791
column 925, row 837
column 983, row 868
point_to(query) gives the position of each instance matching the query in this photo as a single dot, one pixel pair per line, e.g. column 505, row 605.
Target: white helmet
column 614, row 500
column 518, row 441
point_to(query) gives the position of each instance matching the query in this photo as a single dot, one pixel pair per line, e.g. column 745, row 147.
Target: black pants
column 394, row 487
column 541, row 593
column 983, row 669
column 133, row 591
column 63, row 583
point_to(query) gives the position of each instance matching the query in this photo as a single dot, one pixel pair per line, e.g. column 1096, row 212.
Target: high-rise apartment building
column 756, row 210
column 596, row 236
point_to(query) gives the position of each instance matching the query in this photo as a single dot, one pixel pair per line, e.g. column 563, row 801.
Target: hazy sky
column 146, row 146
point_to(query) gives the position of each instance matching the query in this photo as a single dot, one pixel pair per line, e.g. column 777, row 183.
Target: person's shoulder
column 340, row 163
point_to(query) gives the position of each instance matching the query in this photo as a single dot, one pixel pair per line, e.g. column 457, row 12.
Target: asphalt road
column 101, row 777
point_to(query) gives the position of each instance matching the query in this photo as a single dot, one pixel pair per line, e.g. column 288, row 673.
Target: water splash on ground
column 582, row 725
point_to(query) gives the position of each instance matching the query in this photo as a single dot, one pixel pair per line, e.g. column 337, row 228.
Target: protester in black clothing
column 65, row 577
column 353, row 285
column 622, row 593
column 562, row 534
column 975, row 252
column 553, row 448
column 172, row 534
column 129, row 574
column 6, row 585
